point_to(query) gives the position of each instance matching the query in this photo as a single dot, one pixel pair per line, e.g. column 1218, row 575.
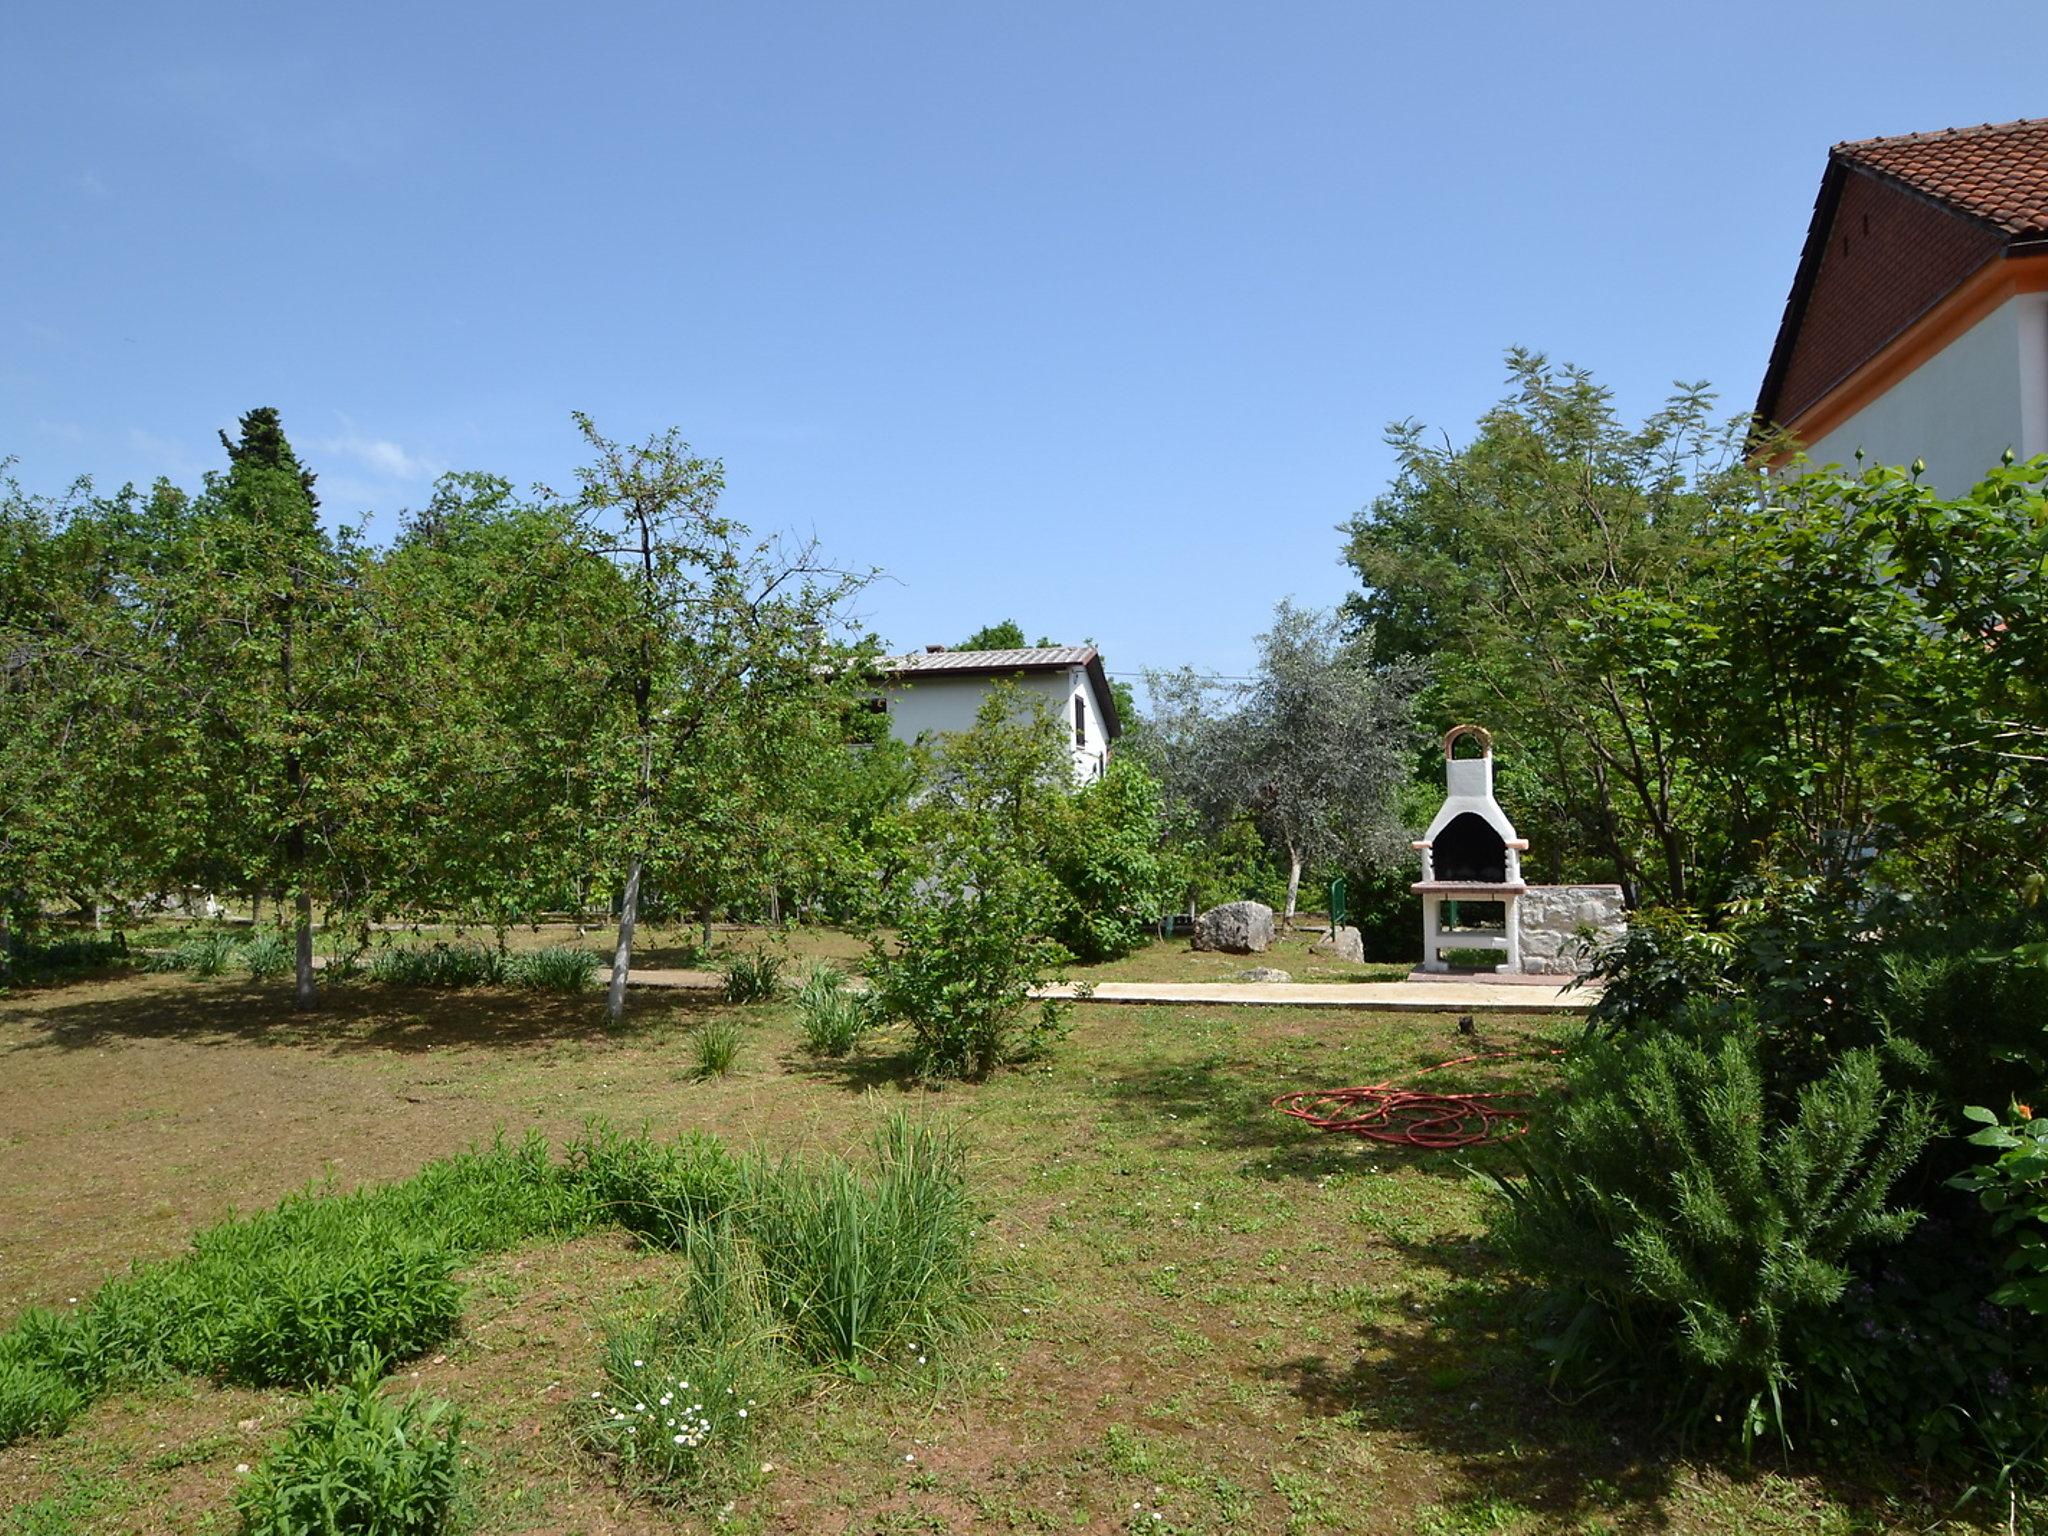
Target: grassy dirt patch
column 1201, row 1311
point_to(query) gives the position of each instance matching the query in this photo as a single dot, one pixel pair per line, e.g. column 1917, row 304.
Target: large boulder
column 1235, row 928
column 1346, row 944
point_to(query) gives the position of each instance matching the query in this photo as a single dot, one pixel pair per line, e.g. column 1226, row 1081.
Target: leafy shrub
column 965, row 961
column 716, row 1045
column 831, row 1018
column 1103, row 849
column 267, row 955
column 75, row 953
column 359, row 1464
column 755, row 978
column 685, row 1389
column 862, row 1264
column 35, row 1397
column 1688, row 1232
column 437, row 965
column 2013, row 1187
column 662, row 1192
column 555, row 968
column 1663, row 962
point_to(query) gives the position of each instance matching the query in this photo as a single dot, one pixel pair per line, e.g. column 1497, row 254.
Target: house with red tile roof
column 1917, row 326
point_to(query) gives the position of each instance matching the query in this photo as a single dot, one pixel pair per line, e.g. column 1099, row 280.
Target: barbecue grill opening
column 1469, row 849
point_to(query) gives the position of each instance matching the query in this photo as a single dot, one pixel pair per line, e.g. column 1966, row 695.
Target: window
column 1080, row 721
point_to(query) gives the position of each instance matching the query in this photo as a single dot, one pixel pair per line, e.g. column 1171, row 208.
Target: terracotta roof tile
column 1997, row 173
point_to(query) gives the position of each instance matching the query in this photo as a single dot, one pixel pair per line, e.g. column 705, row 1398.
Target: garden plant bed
column 1198, row 1307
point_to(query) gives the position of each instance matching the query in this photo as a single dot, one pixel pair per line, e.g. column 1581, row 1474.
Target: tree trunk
column 6, row 939
column 1293, row 886
column 705, row 946
column 304, row 997
column 622, row 957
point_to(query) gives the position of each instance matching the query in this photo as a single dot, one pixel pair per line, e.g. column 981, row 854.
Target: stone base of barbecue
column 1564, row 926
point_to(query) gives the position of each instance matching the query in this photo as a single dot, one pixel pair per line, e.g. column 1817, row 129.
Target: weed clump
column 753, row 978
column 556, row 968
column 359, row 1462
column 716, row 1044
column 831, row 1018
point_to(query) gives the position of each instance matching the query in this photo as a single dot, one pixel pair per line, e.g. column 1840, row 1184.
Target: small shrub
column 685, row 1390
column 660, row 1192
column 863, row 1264
column 965, row 961
column 76, row 953
column 36, row 1398
column 267, row 955
column 1689, row 1233
column 831, row 1018
column 557, row 968
column 755, row 978
column 716, row 1045
column 1648, row 976
column 437, row 965
column 359, row 1464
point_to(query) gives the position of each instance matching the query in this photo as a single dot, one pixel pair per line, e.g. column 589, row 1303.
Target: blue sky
column 1086, row 315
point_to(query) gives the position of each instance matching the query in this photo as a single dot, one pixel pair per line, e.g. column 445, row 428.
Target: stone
column 1262, row 973
column 1346, row 944
column 1564, row 926
column 1236, row 928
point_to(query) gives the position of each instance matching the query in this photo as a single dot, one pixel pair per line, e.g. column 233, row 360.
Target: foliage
column 204, row 954
column 265, row 955
column 685, row 1389
column 1687, row 1232
column 358, row 1463
column 552, row 968
column 830, row 1017
column 660, row 1191
column 1105, row 851
column 715, row 1043
column 437, row 965
column 754, row 978
column 2013, row 1187
column 1663, row 962
column 864, row 1265
column 1313, row 750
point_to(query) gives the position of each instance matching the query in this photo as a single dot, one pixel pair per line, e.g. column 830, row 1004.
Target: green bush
column 830, row 1018
column 267, row 955
column 77, row 953
column 437, row 965
column 555, row 968
column 1687, row 1233
column 662, row 1192
column 202, row 954
column 36, row 1398
column 1664, row 961
column 685, row 1391
column 862, row 1265
column 1104, row 850
column 755, row 978
column 965, row 959
column 359, row 1464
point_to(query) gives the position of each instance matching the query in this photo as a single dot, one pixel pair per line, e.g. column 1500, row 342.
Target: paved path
column 1459, row 996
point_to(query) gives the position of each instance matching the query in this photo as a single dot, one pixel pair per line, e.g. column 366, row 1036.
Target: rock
column 1235, row 928
column 1262, row 973
column 1563, row 926
column 1346, row 944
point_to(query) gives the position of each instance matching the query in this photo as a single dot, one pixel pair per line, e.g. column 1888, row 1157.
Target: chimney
column 933, row 650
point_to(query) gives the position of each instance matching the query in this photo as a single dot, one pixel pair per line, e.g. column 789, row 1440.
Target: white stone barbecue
column 1471, row 853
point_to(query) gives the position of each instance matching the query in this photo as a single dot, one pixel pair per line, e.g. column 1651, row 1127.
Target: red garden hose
column 1413, row 1117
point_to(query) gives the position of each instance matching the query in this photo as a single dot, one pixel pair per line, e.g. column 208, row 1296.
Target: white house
column 1917, row 326
column 937, row 691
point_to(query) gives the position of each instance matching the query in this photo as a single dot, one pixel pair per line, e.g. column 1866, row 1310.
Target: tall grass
column 716, row 1044
column 660, row 1191
column 556, row 968
column 686, row 1390
column 358, row 1461
column 437, row 965
column 831, row 1019
column 201, row 954
column 862, row 1263
column 266, row 955
column 755, row 978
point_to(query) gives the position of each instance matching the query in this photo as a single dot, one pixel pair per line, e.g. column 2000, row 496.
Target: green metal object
column 1338, row 911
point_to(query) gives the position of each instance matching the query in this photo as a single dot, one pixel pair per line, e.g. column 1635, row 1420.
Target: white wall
column 1983, row 393
column 938, row 704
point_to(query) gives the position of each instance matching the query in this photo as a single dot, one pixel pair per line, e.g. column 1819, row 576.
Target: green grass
column 830, row 1018
column 715, row 1046
column 753, row 978
column 554, row 968
column 437, row 965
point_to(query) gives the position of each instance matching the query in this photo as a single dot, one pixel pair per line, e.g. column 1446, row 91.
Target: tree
column 1313, row 749
column 717, row 642
column 1485, row 557
column 1004, row 636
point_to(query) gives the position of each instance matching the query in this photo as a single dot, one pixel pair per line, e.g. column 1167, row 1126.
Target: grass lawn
column 1200, row 1310
column 678, row 948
